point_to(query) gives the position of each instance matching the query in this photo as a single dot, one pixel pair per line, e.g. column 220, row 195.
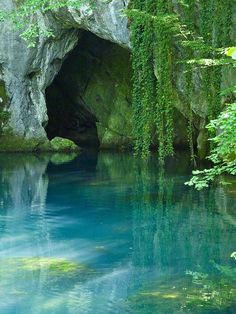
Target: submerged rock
column 204, row 294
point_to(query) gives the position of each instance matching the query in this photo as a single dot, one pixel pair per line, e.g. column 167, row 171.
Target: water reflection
column 109, row 233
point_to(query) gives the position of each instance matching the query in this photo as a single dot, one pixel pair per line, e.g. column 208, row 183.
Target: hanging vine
column 164, row 73
column 153, row 27
column 189, row 18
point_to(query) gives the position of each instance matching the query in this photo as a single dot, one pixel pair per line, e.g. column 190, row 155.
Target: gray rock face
column 27, row 72
column 105, row 20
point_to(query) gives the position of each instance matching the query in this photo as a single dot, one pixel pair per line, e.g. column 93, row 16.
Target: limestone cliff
column 26, row 73
column 77, row 84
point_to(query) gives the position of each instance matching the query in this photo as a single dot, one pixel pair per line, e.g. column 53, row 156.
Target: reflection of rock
column 60, row 158
column 135, row 222
column 23, row 181
column 225, row 201
column 43, row 276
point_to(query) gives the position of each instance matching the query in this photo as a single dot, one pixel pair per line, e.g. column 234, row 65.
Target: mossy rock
column 13, row 143
column 63, row 145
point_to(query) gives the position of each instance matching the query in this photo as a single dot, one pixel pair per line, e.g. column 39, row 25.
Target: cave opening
column 90, row 99
column 69, row 114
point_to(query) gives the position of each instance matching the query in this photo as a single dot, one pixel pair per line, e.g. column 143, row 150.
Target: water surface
column 109, row 233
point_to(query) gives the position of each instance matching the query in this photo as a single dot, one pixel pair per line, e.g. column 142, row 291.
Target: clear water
column 112, row 234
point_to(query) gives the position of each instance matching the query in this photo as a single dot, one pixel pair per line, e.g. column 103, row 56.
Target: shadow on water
column 110, row 233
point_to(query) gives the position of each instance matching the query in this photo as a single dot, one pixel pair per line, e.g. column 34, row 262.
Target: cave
column 68, row 114
column 89, row 101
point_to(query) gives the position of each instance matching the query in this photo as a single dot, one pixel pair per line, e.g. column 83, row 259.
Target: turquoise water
column 109, row 233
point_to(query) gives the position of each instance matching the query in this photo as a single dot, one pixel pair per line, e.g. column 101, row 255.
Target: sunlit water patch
column 107, row 234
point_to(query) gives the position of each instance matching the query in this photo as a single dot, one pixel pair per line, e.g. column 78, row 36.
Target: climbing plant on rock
column 153, row 26
column 215, row 27
column 188, row 19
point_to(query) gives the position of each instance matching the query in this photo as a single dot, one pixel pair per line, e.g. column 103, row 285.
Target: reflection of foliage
column 203, row 29
column 166, row 217
column 143, row 215
column 215, row 292
column 196, row 293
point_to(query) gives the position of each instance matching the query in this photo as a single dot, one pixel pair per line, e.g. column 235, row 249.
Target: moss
column 4, row 114
column 109, row 94
column 3, row 94
column 63, row 144
column 183, row 295
column 53, row 266
column 13, row 143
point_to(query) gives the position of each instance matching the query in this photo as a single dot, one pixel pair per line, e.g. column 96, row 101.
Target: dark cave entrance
column 89, row 101
column 69, row 116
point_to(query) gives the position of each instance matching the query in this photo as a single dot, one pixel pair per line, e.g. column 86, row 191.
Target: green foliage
column 223, row 148
column 155, row 27
column 223, row 153
column 4, row 118
column 152, row 27
column 188, row 9
column 231, row 52
column 25, row 14
column 215, row 24
column 4, row 114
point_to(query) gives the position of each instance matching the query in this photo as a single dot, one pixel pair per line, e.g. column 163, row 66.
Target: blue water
column 109, row 233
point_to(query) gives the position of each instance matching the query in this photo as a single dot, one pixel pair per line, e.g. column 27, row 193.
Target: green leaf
column 231, row 52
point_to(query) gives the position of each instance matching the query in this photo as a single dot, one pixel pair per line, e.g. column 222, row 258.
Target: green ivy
column 203, row 30
column 152, row 28
column 215, row 31
column 189, row 18
column 223, row 153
